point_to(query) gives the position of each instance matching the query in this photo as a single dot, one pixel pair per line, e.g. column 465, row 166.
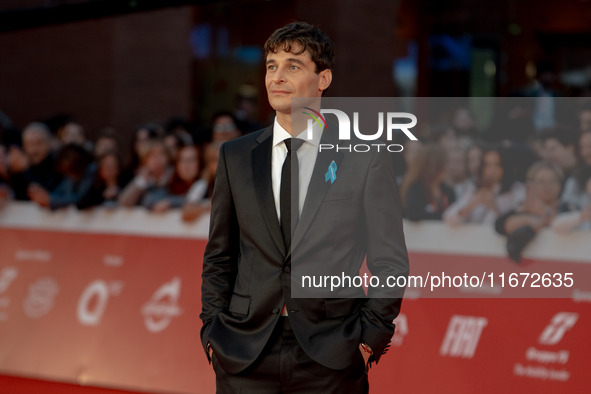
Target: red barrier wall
column 98, row 309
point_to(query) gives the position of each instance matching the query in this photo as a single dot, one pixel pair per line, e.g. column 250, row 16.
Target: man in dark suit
column 281, row 212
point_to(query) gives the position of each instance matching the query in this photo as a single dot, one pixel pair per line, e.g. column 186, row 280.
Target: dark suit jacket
column 248, row 274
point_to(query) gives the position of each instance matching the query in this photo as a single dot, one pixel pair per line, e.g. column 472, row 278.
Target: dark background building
column 122, row 63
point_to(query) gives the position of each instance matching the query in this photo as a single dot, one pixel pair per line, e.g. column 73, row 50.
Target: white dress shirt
column 306, row 158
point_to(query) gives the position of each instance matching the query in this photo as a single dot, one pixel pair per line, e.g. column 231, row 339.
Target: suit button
column 275, row 310
column 287, row 269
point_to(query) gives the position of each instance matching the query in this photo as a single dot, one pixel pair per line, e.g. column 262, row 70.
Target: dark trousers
column 283, row 367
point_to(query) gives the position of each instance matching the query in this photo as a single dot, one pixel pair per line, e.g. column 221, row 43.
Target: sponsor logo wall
column 112, row 300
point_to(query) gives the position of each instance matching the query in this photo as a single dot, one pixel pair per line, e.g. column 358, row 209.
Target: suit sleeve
column 221, row 252
column 386, row 253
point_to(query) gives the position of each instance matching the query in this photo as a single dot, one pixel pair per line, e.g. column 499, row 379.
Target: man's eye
column 293, row 67
column 270, row 68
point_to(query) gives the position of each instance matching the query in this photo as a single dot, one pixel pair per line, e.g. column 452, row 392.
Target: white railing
column 427, row 236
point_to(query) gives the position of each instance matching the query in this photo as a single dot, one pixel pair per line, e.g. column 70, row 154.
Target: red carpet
column 14, row 385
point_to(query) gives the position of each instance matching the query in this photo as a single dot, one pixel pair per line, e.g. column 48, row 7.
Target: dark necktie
column 289, row 191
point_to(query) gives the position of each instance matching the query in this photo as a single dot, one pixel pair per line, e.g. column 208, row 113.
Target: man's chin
column 284, row 108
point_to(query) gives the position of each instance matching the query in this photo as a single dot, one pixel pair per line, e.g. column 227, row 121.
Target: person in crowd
column 246, row 109
column 579, row 219
column 55, row 123
column 457, row 175
column 174, row 143
column 464, row 123
column 4, row 174
column 585, row 148
column 535, row 143
column 106, row 142
column 496, row 193
column 574, row 194
column 443, row 135
column 224, row 127
column 10, row 135
column 177, row 135
column 75, row 164
column 34, row 164
column 186, row 173
column 409, row 154
column 560, row 149
column 107, row 184
column 585, row 116
column 5, row 191
column 4, row 195
column 542, row 203
column 425, row 196
column 72, row 132
column 152, row 178
column 198, row 198
column 7, row 134
column 142, row 135
column 473, row 162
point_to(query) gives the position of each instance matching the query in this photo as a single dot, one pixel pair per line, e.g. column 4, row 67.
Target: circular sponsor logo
column 162, row 307
column 41, row 297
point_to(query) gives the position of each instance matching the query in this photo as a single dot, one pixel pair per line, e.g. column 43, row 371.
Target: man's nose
column 279, row 75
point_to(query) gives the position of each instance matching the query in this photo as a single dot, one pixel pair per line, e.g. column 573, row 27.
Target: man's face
column 36, row 145
column 290, row 75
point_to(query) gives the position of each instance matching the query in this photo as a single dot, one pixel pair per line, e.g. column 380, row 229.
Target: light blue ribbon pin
column 331, row 173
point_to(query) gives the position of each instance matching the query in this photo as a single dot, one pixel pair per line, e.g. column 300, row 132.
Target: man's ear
column 325, row 79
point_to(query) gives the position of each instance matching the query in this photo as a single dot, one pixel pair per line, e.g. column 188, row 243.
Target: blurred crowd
column 169, row 166
column 519, row 176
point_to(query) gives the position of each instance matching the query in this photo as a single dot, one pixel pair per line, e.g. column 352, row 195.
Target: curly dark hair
column 308, row 37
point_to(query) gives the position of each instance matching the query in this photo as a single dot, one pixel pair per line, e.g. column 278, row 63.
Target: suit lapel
column 317, row 188
column 261, row 166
